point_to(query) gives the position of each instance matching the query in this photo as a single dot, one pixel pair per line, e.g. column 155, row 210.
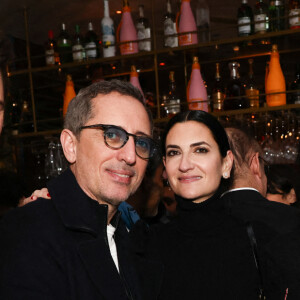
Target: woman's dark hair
column 205, row 118
column 279, row 179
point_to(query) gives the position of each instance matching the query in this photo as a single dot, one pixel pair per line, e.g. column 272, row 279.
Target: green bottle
column 64, row 45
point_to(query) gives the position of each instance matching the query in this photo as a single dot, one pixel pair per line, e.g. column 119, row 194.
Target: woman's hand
column 43, row 193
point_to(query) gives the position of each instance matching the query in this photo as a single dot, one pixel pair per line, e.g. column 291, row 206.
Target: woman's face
column 193, row 162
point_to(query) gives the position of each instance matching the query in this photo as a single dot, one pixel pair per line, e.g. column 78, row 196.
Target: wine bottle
column 235, row 92
column 108, row 33
column 295, row 85
column 294, row 14
column 127, row 32
column 143, row 31
column 196, row 90
column 69, row 93
column 218, row 91
column 261, row 17
column 64, row 45
column 187, row 24
column 77, row 48
column 170, row 28
column 50, row 51
column 203, row 21
column 134, row 80
column 26, row 119
column 251, row 90
column 91, row 43
column 245, row 19
column 275, row 82
column 276, row 14
column 172, row 106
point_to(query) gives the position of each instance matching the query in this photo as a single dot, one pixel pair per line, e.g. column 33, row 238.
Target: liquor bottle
column 245, row 19
column 91, row 43
column 69, row 93
column 126, row 32
column 295, row 85
column 294, row 14
column 261, row 17
column 218, row 91
column 203, row 21
column 134, row 80
column 50, row 51
column 172, row 106
column 251, row 90
column 77, row 48
column 276, row 15
column 26, row 119
column 196, row 90
column 108, row 33
column 64, row 45
column 170, row 28
column 275, row 82
column 187, row 24
column 143, row 31
column 235, row 92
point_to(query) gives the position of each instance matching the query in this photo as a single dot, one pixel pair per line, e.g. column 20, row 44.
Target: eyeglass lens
column 117, row 138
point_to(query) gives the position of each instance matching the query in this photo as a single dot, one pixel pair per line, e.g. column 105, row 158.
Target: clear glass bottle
column 64, row 45
column 203, row 21
column 294, row 14
column 91, row 42
column 50, row 51
column 108, row 33
column 218, row 91
column 251, row 90
column 235, row 91
column 77, row 48
column 261, row 17
column 276, row 15
column 170, row 28
column 245, row 19
column 172, row 106
column 143, row 31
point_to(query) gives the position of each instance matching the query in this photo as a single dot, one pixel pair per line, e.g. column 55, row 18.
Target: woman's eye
column 201, row 150
column 172, row 153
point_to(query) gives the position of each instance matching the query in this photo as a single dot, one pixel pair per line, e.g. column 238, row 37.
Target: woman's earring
column 226, row 175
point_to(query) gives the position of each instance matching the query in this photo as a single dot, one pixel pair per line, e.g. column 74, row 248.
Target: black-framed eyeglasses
column 116, row 137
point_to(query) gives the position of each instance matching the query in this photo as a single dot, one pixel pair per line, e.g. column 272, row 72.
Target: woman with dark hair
column 206, row 254
column 280, row 184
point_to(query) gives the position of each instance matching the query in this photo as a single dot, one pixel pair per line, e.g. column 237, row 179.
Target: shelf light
column 162, row 64
column 118, row 12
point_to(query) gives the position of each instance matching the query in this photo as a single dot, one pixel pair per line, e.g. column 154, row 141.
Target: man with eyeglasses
column 76, row 246
column 275, row 226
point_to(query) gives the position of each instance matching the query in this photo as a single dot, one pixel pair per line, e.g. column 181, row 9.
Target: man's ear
column 227, row 164
column 69, row 143
column 255, row 166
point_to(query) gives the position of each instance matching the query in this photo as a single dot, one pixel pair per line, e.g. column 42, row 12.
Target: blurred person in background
column 281, row 184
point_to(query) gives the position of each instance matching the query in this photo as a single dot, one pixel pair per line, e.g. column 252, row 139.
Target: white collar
column 240, row 189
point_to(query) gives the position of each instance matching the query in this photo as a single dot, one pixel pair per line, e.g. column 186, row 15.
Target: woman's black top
column 206, row 254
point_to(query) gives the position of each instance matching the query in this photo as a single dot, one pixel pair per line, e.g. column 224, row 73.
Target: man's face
column 107, row 175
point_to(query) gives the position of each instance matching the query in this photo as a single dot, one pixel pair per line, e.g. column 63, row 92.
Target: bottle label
column 127, row 48
column 294, row 17
column 253, row 96
column 108, row 30
column 90, row 49
column 260, row 23
column 198, row 104
column 218, row 99
column 173, row 107
column 50, row 57
column 169, row 29
column 185, row 39
column 144, row 33
column 77, row 52
column 244, row 29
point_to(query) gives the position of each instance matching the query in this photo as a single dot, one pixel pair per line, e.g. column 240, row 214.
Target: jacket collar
column 75, row 208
